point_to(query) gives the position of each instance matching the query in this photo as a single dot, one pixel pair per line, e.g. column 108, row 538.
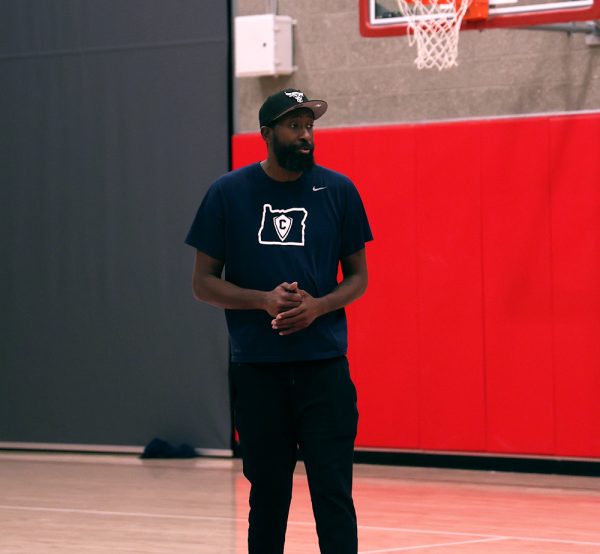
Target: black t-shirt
column 268, row 232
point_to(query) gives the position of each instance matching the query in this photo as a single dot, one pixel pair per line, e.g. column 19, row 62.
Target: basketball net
column 435, row 26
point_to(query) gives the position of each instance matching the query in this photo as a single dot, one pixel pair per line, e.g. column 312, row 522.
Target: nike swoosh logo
column 315, row 189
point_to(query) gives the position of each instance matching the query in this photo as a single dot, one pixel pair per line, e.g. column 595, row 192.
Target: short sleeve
column 207, row 232
column 355, row 227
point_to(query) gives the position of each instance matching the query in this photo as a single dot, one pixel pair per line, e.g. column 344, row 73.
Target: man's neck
column 278, row 173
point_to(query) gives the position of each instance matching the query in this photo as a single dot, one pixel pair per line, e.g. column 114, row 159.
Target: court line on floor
column 110, row 513
column 435, row 545
column 483, row 535
column 424, row 531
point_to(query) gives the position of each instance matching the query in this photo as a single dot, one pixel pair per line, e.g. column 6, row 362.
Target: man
column 280, row 228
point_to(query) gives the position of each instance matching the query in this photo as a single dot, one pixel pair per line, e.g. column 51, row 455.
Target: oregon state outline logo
column 282, row 227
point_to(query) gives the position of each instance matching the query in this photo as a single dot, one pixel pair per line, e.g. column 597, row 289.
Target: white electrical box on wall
column 264, row 45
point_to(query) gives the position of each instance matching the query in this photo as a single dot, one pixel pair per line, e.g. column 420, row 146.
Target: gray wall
column 115, row 119
column 374, row 80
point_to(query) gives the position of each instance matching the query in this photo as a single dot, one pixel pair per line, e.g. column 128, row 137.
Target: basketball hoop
column 435, row 26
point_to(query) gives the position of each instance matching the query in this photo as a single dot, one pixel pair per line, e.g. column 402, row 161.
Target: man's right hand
column 282, row 298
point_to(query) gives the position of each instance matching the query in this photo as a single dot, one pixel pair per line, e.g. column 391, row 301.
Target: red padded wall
column 390, row 362
column 448, row 239
column 575, row 192
column 517, row 286
column 480, row 330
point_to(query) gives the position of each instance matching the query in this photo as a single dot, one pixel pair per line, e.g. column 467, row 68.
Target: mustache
column 305, row 144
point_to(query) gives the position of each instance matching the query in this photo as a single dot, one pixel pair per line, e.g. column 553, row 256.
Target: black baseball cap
column 285, row 101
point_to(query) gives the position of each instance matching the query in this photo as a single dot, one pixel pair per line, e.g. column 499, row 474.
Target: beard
column 289, row 156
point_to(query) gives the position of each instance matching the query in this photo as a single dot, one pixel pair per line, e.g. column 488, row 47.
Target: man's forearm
column 223, row 294
column 349, row 290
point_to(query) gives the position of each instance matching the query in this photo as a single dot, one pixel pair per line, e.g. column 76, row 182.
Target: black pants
column 278, row 407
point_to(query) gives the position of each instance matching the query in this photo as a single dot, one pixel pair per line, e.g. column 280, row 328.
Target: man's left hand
column 298, row 318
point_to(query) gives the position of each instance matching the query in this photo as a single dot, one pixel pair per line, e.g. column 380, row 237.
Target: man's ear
column 266, row 132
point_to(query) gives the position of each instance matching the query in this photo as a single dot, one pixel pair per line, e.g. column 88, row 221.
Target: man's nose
column 305, row 133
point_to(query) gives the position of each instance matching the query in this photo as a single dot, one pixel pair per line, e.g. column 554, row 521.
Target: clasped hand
column 292, row 308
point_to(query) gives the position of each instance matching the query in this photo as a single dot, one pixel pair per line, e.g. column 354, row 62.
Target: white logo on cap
column 298, row 96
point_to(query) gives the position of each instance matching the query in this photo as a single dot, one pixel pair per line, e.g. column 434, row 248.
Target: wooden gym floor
column 109, row 504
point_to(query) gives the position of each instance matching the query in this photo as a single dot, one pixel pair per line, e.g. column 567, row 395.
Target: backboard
column 383, row 17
